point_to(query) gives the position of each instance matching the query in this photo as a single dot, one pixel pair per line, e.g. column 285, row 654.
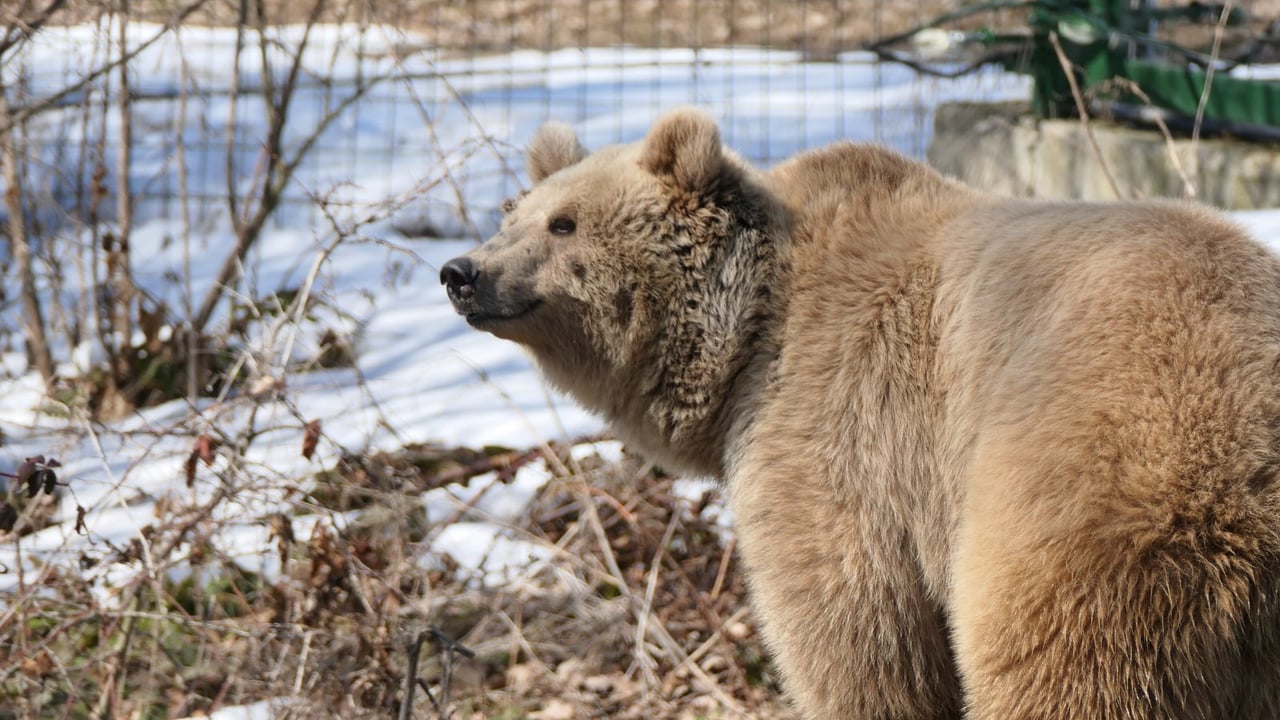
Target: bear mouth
column 480, row 318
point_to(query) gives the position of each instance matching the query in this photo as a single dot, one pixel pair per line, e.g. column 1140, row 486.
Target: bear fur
column 988, row 458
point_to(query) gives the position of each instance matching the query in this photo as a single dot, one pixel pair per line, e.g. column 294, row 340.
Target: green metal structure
column 1101, row 37
column 1109, row 39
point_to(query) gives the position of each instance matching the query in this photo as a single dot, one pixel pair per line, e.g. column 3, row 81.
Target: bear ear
column 553, row 148
column 684, row 146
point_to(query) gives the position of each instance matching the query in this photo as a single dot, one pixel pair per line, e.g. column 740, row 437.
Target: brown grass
column 640, row 614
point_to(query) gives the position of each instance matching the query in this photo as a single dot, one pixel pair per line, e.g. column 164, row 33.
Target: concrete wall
column 1001, row 147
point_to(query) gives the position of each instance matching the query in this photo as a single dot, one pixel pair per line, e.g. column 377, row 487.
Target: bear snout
column 459, row 277
column 489, row 299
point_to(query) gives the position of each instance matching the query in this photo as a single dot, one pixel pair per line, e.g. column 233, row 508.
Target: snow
column 436, row 131
column 264, row 710
column 1263, row 224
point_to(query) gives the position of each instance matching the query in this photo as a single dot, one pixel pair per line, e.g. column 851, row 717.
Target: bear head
column 639, row 277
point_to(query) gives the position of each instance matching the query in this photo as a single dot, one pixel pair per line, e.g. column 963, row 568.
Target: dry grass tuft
column 637, row 611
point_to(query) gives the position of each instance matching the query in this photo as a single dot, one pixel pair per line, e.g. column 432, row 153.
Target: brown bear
column 988, row 458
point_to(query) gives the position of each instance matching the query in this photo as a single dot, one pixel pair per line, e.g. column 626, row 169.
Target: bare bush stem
column 22, row 114
column 1188, row 187
column 190, row 342
column 411, row 675
column 1218, row 31
column 278, row 168
column 32, row 314
column 1084, row 114
column 121, row 278
column 19, row 28
column 117, row 290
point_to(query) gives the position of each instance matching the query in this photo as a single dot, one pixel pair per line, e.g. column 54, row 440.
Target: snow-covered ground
column 443, row 137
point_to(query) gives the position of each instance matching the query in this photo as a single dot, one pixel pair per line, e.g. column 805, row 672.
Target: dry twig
column 1084, row 113
column 1218, row 31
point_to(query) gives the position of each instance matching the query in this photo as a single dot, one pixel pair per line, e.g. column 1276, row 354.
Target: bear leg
column 842, row 604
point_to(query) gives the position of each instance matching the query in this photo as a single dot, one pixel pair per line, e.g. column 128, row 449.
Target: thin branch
column 189, row 339
column 32, row 314
column 646, row 662
column 411, row 675
column 1084, row 113
column 111, row 694
column 19, row 29
column 120, row 279
column 233, row 105
column 277, row 179
column 1209, row 70
column 1188, row 187
column 20, row 115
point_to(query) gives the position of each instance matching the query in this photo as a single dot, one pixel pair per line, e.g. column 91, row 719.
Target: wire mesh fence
column 437, row 96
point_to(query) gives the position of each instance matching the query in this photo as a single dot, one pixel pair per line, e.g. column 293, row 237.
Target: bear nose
column 459, row 275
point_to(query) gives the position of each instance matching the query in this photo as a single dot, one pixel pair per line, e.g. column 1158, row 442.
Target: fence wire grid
column 434, row 99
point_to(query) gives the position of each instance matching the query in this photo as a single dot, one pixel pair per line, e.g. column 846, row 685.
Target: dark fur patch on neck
column 623, row 302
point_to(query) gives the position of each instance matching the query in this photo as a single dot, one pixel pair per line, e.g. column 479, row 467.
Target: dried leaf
column 81, row 528
column 328, row 563
column 281, row 528
column 38, row 666
column 189, row 470
column 310, row 436
column 205, row 449
column 8, row 516
column 48, row 480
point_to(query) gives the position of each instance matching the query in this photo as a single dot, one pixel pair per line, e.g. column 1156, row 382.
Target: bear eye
column 562, row 225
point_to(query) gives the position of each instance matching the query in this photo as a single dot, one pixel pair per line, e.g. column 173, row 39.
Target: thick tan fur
column 988, row 458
